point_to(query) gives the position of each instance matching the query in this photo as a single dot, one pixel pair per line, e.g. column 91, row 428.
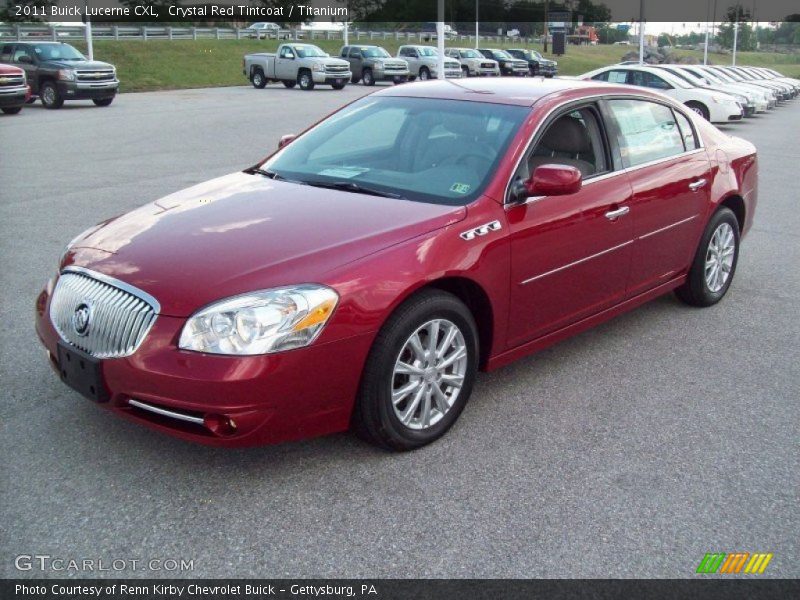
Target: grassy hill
column 165, row 65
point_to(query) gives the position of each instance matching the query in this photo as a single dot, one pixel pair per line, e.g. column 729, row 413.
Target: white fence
column 133, row 32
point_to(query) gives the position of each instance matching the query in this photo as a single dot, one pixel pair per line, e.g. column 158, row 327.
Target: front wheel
column 102, row 101
column 50, row 95
column 305, row 81
column 714, row 263
column 258, row 80
column 419, row 373
column 424, row 74
column 700, row 109
column 464, row 72
column 367, row 77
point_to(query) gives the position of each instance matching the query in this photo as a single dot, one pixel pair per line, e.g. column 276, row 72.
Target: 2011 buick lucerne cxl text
column 362, row 274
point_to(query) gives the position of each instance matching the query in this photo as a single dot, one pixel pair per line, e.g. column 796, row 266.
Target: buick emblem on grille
column 81, row 319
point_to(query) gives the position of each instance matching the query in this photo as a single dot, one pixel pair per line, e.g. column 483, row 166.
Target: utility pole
column 735, row 39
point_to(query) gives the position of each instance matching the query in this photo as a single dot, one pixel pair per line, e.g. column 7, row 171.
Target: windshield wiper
column 273, row 175
column 350, row 186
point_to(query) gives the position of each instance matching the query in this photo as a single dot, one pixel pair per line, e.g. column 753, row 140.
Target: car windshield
column 422, row 149
column 501, row 54
column 470, row 54
column 57, row 52
column 426, row 51
column 376, row 52
column 309, row 52
column 535, row 54
column 517, row 53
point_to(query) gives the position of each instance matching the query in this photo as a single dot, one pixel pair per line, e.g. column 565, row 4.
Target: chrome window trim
column 112, row 281
column 595, row 97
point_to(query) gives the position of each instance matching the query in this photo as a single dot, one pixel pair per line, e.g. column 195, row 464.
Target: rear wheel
column 419, row 373
column 289, row 84
column 714, row 263
column 12, row 110
column 50, row 96
column 258, row 80
column 367, row 77
column 305, row 80
column 102, row 101
column 699, row 108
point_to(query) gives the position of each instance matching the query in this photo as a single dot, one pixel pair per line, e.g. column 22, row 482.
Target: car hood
column 337, row 62
column 9, row 70
column 243, row 232
column 77, row 64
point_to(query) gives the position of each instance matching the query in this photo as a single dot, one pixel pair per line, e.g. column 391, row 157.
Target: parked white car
column 771, row 96
column 717, row 107
column 264, row 30
column 752, row 102
column 423, row 62
column 473, row 63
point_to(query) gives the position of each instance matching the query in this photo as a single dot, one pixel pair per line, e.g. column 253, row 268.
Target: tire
column 464, row 72
column 258, row 80
column 367, row 77
column 289, row 84
column 12, row 110
column 424, row 74
column 355, row 79
column 31, row 100
column 305, row 80
column 48, row 92
column 701, row 287
column 103, row 101
column 338, row 86
column 699, row 108
column 376, row 417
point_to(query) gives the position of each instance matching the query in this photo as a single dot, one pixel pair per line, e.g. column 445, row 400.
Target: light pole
column 641, row 32
column 440, row 40
column 705, row 49
column 546, row 10
column 735, row 38
column 476, row 25
column 88, row 30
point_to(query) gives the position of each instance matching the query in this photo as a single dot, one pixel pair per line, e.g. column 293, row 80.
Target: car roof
column 519, row 91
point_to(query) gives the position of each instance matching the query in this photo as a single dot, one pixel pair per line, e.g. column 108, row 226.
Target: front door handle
column 696, row 185
column 617, row 213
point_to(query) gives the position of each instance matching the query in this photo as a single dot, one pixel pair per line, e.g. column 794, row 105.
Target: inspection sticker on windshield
column 343, row 172
column 460, row 188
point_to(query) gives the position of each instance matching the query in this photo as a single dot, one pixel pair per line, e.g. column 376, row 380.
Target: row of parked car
column 718, row 94
column 306, row 65
column 53, row 72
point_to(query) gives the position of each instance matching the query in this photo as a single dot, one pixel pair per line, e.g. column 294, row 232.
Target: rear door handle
column 696, row 185
column 617, row 213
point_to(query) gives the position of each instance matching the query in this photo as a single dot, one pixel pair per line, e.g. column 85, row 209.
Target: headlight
column 66, row 74
column 318, row 67
column 261, row 322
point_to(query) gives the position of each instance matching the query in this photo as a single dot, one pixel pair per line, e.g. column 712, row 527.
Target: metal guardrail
column 133, row 32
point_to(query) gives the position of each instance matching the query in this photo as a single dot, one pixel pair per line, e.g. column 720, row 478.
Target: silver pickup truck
column 296, row 64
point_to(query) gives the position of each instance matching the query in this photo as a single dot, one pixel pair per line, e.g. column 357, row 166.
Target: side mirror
column 25, row 59
column 550, row 180
column 286, row 140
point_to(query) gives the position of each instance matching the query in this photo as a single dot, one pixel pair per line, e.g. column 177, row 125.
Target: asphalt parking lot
column 628, row 451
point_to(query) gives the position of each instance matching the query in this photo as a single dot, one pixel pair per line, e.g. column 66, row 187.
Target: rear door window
column 647, row 131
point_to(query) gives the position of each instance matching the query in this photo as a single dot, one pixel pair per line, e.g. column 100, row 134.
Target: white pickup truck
column 296, row 64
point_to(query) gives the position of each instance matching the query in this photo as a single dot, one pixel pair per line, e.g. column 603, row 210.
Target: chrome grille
column 119, row 315
column 337, row 68
column 95, row 75
column 11, row 80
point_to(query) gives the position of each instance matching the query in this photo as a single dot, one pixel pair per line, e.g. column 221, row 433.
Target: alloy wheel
column 429, row 374
column 719, row 257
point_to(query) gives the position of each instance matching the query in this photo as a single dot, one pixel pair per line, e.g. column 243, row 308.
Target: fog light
column 219, row 424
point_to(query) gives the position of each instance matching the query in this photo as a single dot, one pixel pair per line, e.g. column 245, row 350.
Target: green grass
column 179, row 64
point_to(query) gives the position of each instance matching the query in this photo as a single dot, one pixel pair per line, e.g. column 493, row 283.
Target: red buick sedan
column 362, row 274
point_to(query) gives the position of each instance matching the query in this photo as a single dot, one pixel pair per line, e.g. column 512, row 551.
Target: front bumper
column 79, row 90
column 270, row 398
column 392, row 75
column 331, row 78
column 16, row 96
